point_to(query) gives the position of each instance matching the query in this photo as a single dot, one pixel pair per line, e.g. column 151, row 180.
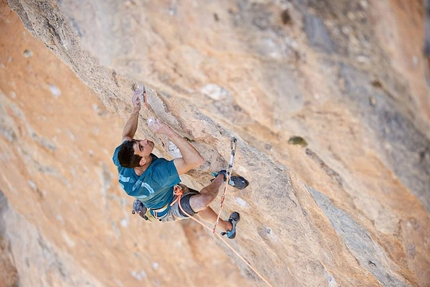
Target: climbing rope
column 227, row 180
column 179, row 192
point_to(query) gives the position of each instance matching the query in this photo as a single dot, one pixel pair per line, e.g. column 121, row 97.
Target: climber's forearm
column 130, row 127
column 191, row 158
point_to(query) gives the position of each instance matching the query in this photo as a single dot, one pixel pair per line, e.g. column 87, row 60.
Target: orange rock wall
column 349, row 206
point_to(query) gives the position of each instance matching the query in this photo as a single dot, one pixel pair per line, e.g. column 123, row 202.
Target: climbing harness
column 227, row 179
column 148, row 214
column 159, row 210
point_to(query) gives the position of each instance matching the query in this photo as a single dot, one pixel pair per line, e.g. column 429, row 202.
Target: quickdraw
column 228, row 176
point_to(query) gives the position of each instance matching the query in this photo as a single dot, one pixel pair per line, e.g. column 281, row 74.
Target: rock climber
column 152, row 180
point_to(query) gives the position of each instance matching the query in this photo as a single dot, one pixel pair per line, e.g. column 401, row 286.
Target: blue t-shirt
column 154, row 187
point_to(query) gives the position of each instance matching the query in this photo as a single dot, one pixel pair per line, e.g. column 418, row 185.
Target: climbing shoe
column 238, row 182
column 233, row 219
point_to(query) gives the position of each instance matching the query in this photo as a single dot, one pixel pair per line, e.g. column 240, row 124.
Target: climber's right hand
column 137, row 104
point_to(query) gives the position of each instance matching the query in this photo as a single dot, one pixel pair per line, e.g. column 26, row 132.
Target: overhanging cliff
column 346, row 206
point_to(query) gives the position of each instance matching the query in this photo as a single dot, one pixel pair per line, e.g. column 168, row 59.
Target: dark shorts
column 175, row 212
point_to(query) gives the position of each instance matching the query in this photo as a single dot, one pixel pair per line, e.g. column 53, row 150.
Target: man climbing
column 152, row 180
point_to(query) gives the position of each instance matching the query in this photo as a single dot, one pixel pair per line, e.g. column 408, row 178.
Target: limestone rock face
column 327, row 99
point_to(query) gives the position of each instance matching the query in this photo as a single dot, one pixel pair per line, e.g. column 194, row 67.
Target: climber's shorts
column 175, row 212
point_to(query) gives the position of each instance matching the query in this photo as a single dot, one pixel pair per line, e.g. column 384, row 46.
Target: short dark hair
column 126, row 155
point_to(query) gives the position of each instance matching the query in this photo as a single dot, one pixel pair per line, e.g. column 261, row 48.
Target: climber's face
column 143, row 147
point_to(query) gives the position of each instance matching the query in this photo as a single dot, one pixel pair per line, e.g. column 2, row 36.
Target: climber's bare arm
column 190, row 159
column 132, row 122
